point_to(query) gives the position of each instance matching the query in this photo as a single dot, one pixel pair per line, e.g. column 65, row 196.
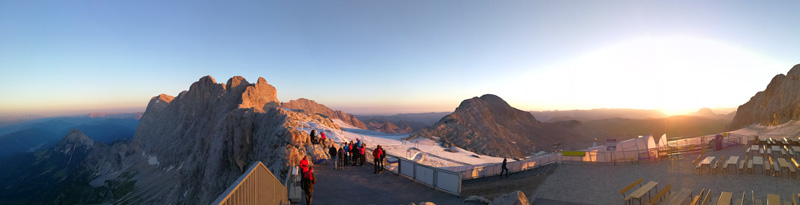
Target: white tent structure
column 633, row 149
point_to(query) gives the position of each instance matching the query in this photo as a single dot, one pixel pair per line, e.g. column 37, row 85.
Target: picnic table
column 754, row 149
column 784, row 164
column 725, row 198
column 644, row 189
column 776, row 148
column 680, row 197
column 796, row 151
column 707, row 162
column 758, row 161
column 733, row 160
column 773, row 199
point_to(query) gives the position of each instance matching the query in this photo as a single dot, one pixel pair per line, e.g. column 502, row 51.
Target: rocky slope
column 777, row 104
column 488, row 125
column 188, row 149
column 313, row 107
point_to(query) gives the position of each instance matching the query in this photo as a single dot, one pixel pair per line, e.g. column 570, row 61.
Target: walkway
column 357, row 185
column 600, row 184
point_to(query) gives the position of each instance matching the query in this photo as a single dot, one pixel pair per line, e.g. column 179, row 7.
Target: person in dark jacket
column 332, row 152
column 314, row 137
column 505, row 169
column 342, row 157
column 308, row 182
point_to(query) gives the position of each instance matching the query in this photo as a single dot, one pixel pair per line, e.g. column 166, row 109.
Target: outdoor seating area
column 770, row 160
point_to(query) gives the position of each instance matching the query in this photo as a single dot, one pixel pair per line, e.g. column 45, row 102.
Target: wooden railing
column 256, row 186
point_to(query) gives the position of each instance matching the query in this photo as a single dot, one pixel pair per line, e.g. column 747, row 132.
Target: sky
column 386, row 57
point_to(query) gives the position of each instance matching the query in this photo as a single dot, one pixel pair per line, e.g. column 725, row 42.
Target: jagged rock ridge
column 777, row 104
column 314, row 107
column 388, row 127
column 190, row 148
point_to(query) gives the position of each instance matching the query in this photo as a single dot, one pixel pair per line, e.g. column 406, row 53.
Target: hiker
column 505, row 169
column 346, row 154
column 304, row 165
column 314, row 137
column 362, row 155
column 342, row 158
column 308, row 182
column 376, row 156
column 383, row 159
column 358, row 142
column 332, row 152
column 322, row 139
column 353, row 154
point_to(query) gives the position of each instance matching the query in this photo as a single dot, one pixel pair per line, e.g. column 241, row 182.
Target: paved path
column 358, row 185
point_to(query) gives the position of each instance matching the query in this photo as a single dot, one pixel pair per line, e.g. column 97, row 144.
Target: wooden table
column 758, row 161
column 776, row 148
column 784, row 164
column 644, row 189
column 773, row 199
column 734, row 160
column 796, row 151
column 680, row 197
column 725, row 198
column 707, row 162
column 754, row 149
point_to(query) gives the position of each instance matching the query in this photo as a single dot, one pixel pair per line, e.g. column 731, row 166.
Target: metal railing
column 256, row 186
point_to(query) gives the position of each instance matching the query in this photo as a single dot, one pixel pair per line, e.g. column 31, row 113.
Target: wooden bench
column 698, row 159
column 776, row 168
column 717, row 165
column 768, row 167
column 629, row 187
column 794, row 167
column 740, row 201
column 660, row 194
column 742, row 165
column 708, row 196
column 750, row 166
column 697, row 198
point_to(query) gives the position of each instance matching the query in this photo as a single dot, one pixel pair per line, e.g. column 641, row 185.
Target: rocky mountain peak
column 705, row 111
column 776, row 105
column 235, row 82
column 74, row 140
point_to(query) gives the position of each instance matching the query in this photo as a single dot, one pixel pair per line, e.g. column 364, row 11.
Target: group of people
column 349, row 154
column 354, row 154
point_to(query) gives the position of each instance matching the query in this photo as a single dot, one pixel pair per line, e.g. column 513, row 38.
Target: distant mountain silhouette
column 388, row 127
column 596, row 114
column 673, row 126
column 777, row 104
column 415, row 121
column 47, row 176
column 488, row 125
column 42, row 133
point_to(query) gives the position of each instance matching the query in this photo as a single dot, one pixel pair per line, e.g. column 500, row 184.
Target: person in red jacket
column 308, row 182
column 362, row 155
column 376, row 157
column 322, row 139
column 304, row 165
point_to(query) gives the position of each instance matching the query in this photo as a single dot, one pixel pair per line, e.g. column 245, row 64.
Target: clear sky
column 72, row 57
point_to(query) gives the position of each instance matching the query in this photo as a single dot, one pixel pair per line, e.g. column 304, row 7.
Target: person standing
column 383, row 159
column 332, row 152
column 362, row 154
column 505, row 169
column 308, row 182
column 342, row 157
column 376, row 157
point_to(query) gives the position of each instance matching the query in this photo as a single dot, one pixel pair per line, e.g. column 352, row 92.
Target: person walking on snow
column 332, row 152
column 376, row 157
column 505, row 169
column 307, row 183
